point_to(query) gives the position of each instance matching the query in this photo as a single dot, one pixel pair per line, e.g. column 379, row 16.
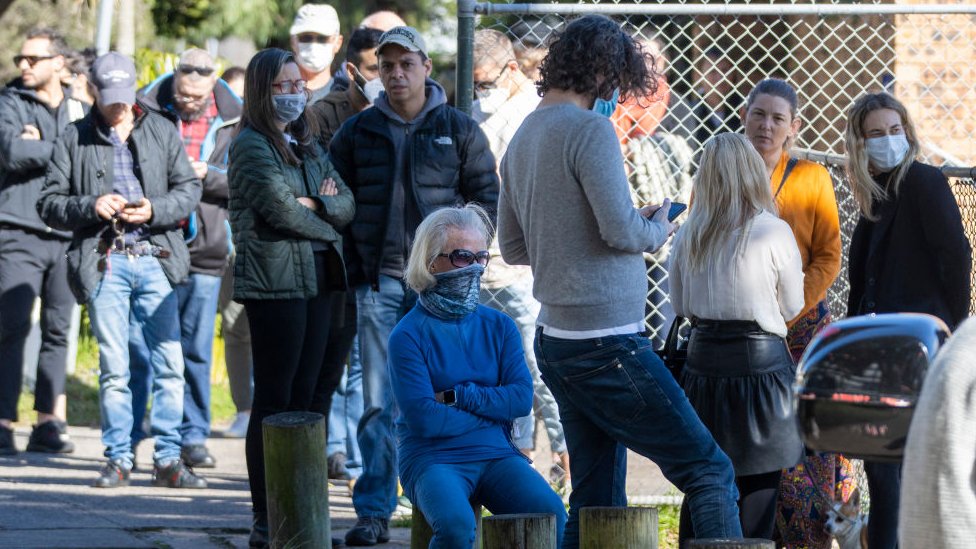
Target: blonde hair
column 731, row 187
column 865, row 189
column 431, row 236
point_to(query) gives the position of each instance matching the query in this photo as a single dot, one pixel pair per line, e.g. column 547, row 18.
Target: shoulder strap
column 786, row 173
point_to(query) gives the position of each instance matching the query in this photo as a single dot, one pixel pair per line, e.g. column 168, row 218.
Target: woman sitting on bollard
column 736, row 273
column 287, row 206
column 908, row 253
column 459, row 379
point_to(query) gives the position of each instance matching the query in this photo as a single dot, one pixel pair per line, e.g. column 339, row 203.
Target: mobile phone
column 677, row 208
column 129, row 205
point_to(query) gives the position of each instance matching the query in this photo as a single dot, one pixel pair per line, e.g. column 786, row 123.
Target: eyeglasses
column 318, row 38
column 31, row 59
column 190, row 69
column 485, row 85
column 463, row 258
column 290, row 86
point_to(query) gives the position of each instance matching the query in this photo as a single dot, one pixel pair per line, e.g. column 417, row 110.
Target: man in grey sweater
column 565, row 209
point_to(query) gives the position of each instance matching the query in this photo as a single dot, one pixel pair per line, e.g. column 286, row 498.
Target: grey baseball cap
column 405, row 37
column 114, row 75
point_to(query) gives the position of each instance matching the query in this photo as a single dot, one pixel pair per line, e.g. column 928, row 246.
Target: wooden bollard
column 421, row 532
column 296, row 477
column 618, row 527
column 721, row 543
column 524, row 531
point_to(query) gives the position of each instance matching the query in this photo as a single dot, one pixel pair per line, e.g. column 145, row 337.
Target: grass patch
column 81, row 388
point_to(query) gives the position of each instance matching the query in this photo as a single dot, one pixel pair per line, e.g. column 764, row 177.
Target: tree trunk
column 718, row 543
column 524, row 531
column 297, row 480
column 618, row 527
column 421, row 532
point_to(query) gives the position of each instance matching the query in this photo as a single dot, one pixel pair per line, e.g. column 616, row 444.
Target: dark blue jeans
column 614, row 393
column 884, row 485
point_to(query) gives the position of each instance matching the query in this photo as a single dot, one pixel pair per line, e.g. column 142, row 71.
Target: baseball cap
column 317, row 18
column 114, row 75
column 405, row 37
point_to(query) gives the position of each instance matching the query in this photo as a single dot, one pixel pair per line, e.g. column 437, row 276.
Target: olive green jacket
column 273, row 232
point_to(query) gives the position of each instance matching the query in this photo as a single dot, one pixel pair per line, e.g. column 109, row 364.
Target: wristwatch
column 448, row 397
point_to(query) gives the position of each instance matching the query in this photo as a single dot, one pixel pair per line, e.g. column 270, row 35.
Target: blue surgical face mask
column 607, row 106
column 885, row 153
column 456, row 294
column 289, row 106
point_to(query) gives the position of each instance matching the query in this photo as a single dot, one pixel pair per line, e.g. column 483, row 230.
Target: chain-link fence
column 711, row 55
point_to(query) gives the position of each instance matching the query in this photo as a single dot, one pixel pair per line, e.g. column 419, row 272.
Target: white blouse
column 764, row 282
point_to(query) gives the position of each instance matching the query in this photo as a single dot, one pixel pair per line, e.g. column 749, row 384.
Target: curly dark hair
column 592, row 46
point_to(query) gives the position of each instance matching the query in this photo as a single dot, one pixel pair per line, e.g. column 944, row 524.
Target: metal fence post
column 464, row 89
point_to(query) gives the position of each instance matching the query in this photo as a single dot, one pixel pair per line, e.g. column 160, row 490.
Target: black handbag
column 675, row 351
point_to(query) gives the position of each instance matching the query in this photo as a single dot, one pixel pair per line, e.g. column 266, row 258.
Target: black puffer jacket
column 450, row 165
column 210, row 246
column 81, row 171
column 24, row 161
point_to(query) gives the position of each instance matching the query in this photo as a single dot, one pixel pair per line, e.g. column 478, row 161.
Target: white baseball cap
column 316, row 18
column 406, row 37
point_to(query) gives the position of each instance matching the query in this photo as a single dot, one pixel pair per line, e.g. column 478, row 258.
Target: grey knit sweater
column 565, row 209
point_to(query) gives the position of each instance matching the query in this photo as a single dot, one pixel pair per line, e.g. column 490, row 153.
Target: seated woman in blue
column 459, row 378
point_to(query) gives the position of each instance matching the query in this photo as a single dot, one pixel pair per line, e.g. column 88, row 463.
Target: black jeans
column 757, row 507
column 884, row 485
column 33, row 265
column 289, row 340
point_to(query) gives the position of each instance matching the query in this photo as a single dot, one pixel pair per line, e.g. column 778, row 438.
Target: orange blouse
column 806, row 202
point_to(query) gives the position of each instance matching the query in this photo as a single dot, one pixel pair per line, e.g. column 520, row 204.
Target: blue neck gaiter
column 456, row 293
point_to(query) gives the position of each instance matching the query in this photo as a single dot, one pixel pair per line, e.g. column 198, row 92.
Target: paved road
column 46, row 501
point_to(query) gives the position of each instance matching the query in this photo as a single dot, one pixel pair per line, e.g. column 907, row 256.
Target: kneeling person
column 459, row 380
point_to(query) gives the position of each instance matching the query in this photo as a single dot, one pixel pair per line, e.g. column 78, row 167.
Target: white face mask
column 886, row 152
column 372, row 89
column 490, row 101
column 314, row 56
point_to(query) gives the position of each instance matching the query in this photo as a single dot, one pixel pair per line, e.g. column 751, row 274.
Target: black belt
column 726, row 326
column 140, row 249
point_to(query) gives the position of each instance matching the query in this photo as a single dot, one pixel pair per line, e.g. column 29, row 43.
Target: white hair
column 431, row 236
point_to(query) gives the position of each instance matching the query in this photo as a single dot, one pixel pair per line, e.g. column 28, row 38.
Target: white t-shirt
column 763, row 283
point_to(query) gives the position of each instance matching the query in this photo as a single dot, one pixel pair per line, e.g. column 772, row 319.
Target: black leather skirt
column 739, row 379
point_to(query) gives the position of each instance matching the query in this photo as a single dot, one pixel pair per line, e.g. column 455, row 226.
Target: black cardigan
column 916, row 257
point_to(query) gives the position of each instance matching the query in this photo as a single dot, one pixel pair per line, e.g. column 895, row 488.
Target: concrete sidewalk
column 47, row 501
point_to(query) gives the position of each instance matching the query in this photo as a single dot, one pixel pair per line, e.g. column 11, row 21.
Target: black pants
column 884, row 485
column 33, row 265
column 757, row 508
column 289, row 340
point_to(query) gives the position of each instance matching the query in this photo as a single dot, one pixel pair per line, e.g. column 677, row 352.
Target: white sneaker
column 238, row 428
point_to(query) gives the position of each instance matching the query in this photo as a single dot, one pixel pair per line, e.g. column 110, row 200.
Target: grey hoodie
column 404, row 215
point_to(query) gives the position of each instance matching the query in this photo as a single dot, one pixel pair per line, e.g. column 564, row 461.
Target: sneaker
column 7, row 445
column 50, row 437
column 238, row 428
column 112, row 475
column 368, row 531
column 176, row 474
column 337, row 467
column 197, row 456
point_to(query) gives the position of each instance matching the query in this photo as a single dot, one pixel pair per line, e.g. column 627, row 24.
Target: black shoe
column 7, row 446
column 259, row 532
column 337, row 467
column 50, row 437
column 112, row 475
column 338, row 542
column 369, row 531
column 176, row 474
column 198, row 457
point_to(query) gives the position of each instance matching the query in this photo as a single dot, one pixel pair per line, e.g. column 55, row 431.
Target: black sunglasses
column 190, row 69
column 31, row 59
column 484, row 86
column 309, row 38
column 463, row 258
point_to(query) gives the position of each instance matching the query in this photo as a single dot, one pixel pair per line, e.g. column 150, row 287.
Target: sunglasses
column 31, row 59
column 190, row 69
column 463, row 258
column 484, row 86
column 318, row 38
